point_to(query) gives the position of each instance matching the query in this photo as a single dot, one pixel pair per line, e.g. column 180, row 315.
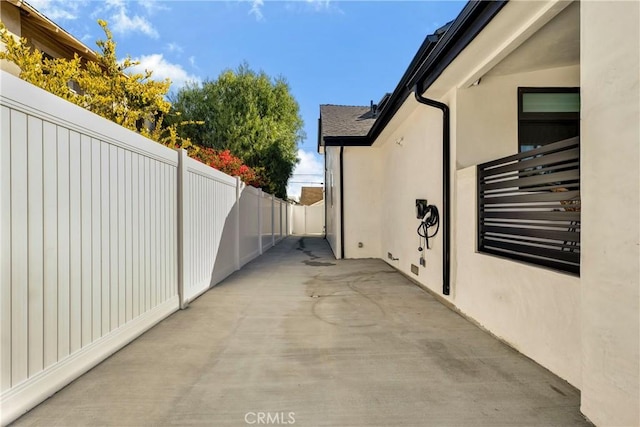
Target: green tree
column 250, row 114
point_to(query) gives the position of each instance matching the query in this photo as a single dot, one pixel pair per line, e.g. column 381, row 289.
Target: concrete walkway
column 305, row 338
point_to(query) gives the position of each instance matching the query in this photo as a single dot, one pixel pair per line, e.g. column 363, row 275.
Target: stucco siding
column 585, row 329
column 412, row 169
column 487, row 125
column 505, row 296
column 362, row 180
column 534, row 309
column 332, row 202
column 610, row 213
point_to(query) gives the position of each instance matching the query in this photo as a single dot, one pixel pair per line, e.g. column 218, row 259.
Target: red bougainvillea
column 226, row 162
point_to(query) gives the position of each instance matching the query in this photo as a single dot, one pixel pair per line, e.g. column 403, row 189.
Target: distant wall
column 308, row 219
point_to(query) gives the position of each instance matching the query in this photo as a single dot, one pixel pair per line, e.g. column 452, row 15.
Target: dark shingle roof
column 346, row 120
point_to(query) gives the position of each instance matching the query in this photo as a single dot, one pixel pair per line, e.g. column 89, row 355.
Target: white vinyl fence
column 308, row 219
column 103, row 233
column 280, row 219
column 266, row 223
column 250, row 235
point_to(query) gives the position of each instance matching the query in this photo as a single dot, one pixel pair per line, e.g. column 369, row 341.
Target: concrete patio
column 316, row 342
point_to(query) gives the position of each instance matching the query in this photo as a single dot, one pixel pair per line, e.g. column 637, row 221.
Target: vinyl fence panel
column 314, row 223
column 209, row 215
column 266, row 210
column 69, row 219
column 278, row 212
column 103, row 233
column 249, row 227
column 299, row 220
column 308, row 219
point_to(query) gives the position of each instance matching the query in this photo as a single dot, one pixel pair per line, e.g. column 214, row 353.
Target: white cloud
column 313, row 6
column 153, row 6
column 121, row 21
column 319, row 4
column 309, row 172
column 163, row 69
column 256, row 9
column 58, row 10
column 123, row 24
column 174, row 47
column 192, row 61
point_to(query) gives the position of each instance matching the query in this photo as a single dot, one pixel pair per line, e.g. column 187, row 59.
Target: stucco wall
column 504, row 296
column 584, row 329
column 362, row 180
column 610, row 213
column 487, row 123
column 332, row 202
column 534, row 309
column 412, row 169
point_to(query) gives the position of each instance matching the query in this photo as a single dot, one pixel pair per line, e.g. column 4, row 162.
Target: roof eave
column 471, row 21
column 433, row 57
column 63, row 35
column 337, row 141
column 439, row 55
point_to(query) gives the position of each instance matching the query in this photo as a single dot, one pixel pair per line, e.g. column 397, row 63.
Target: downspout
column 326, row 205
column 341, row 202
column 446, row 178
column 324, row 184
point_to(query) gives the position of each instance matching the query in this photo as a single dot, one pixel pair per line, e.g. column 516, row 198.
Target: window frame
column 546, row 116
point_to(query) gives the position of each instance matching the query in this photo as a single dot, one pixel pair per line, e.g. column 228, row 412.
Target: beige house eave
column 56, row 32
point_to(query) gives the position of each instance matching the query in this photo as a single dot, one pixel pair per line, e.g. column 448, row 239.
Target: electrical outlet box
column 415, row 269
column 421, row 208
column 423, row 262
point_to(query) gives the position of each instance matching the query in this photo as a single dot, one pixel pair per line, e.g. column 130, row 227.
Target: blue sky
column 330, row 52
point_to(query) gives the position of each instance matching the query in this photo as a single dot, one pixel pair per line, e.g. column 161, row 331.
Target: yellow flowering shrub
column 107, row 86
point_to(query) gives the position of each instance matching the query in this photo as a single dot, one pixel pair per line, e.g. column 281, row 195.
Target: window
column 547, row 115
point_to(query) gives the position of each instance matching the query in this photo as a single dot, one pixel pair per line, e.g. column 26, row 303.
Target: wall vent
column 414, row 269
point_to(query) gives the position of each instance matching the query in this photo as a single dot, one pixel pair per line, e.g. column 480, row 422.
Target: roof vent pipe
column 374, row 109
column 446, row 177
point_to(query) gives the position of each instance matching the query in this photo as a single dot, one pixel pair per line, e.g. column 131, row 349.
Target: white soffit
column 557, row 44
column 516, row 23
column 516, row 26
